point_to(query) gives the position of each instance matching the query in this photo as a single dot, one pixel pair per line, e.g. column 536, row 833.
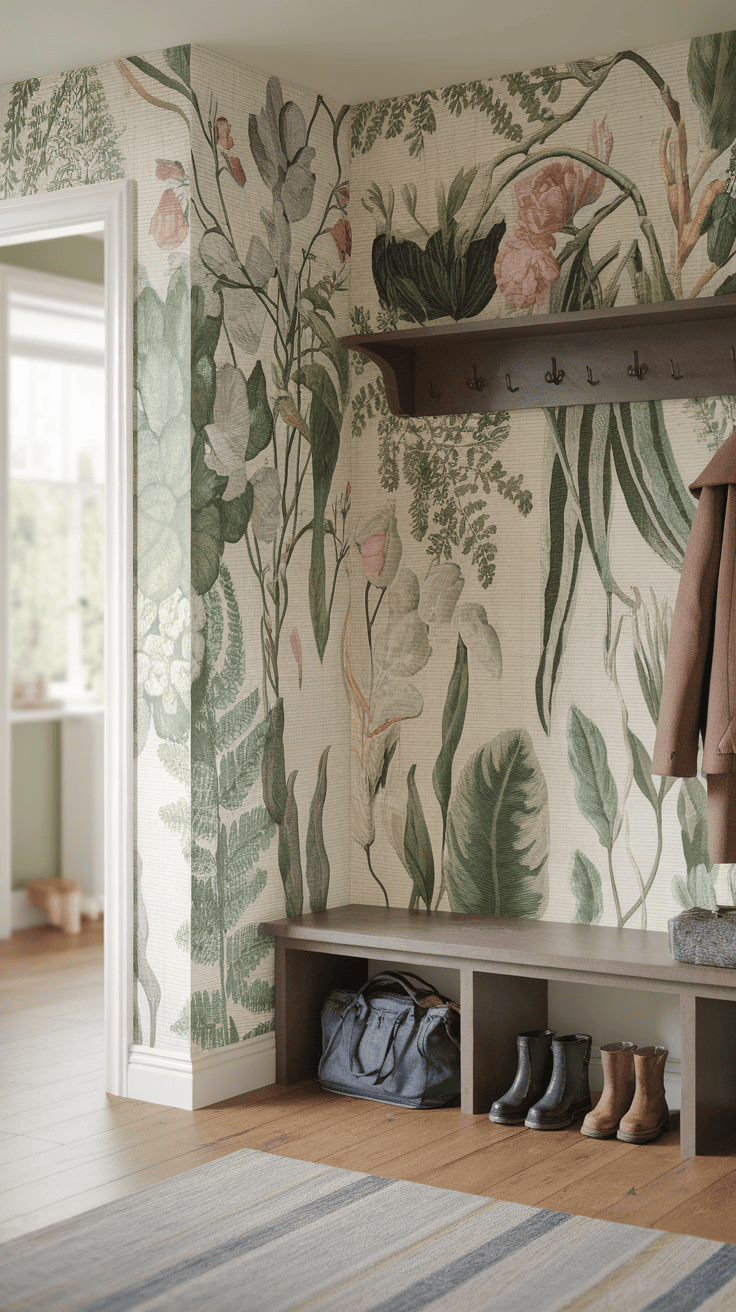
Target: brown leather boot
column 649, row 1114
column 619, row 1083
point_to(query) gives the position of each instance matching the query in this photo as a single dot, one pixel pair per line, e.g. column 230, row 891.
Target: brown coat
column 699, row 695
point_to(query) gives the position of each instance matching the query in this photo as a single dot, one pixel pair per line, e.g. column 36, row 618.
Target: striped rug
column 253, row 1232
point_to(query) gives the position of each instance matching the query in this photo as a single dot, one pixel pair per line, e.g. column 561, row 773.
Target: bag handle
column 387, row 1055
column 395, row 977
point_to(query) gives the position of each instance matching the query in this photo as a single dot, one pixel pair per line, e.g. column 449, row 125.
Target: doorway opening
column 55, row 333
column 66, row 598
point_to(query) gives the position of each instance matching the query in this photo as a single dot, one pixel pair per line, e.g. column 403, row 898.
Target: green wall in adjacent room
column 68, row 257
column 36, row 747
column 35, row 826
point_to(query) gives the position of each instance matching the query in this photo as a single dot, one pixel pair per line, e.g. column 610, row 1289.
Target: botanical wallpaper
column 514, row 574
column 260, row 748
column 464, row 619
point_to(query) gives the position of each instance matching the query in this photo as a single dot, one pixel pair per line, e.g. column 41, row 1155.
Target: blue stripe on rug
column 450, row 1277
column 700, row 1285
column 168, row 1279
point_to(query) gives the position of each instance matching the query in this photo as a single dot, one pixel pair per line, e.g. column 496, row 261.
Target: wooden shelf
column 698, row 336
column 504, row 966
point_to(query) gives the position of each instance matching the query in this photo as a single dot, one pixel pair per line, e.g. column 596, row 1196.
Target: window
column 56, row 444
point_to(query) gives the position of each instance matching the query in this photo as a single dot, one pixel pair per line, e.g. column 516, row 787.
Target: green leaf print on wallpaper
column 697, row 889
column 227, row 752
column 453, row 723
column 318, row 864
column 448, row 272
column 602, row 803
column 498, row 831
column 587, row 888
column 418, row 847
column 710, row 75
column 595, row 788
column 588, row 445
column 68, row 139
column 257, row 298
column 452, row 468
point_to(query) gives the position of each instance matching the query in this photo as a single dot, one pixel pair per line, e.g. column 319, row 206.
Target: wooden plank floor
column 66, row 1146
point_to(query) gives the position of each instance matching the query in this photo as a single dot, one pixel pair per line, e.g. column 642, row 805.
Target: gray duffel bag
column 392, row 1042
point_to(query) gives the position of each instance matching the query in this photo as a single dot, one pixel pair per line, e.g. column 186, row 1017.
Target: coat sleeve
column 688, row 657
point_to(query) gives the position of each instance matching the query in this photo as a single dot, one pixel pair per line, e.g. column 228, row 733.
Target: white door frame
column 55, row 214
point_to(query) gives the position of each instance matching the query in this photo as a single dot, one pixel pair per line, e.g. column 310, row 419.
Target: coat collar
column 722, row 468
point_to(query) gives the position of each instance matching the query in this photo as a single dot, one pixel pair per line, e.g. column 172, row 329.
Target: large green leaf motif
column 318, row 863
column 562, row 546
column 710, row 74
column 587, row 887
column 453, row 721
column 498, row 831
column 418, row 856
column 656, row 497
column 325, row 437
column 595, row 787
column 290, row 860
column 445, row 278
column 692, row 813
column 642, row 769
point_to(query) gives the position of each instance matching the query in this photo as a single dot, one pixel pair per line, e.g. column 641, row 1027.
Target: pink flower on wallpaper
column 296, row 647
column 222, row 134
column 169, row 168
column 373, row 554
column 342, row 195
column 236, row 169
column 589, row 184
column 544, row 199
column 168, row 225
column 343, row 238
column 547, row 199
column 526, row 269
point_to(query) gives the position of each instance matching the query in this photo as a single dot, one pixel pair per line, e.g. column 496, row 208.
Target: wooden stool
column 60, row 899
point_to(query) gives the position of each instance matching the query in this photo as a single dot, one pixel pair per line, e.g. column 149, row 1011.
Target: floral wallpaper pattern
column 465, row 616
column 526, row 789
column 264, row 207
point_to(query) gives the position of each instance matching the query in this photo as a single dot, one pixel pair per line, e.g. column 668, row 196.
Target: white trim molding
column 107, row 208
column 176, row 1080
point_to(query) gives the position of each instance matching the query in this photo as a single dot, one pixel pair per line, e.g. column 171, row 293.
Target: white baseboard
column 672, row 1079
column 204, row 1078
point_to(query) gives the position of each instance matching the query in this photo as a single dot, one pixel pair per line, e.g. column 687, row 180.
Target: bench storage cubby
column 504, row 968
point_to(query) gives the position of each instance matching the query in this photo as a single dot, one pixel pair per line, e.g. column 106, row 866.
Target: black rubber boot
column 568, row 1095
column 532, row 1077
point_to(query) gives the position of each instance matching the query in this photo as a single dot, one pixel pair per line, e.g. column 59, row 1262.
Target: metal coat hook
column 508, row 384
column 675, row 370
column 554, row 375
column 593, row 381
column 636, row 370
column 435, row 396
column 476, row 384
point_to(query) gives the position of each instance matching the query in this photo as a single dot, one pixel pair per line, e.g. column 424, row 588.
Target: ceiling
column 351, row 50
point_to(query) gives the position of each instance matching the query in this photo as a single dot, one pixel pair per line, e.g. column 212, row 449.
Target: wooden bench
column 504, row 967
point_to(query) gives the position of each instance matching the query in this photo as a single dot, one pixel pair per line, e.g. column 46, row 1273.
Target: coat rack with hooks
column 673, row 350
